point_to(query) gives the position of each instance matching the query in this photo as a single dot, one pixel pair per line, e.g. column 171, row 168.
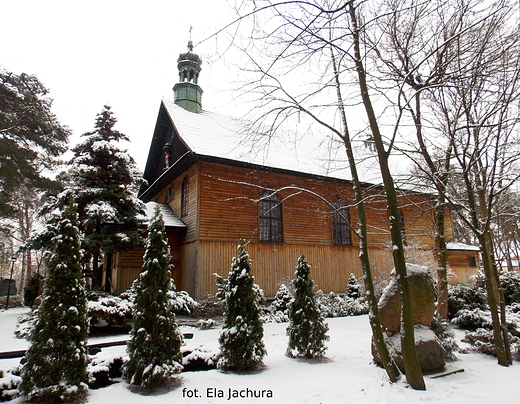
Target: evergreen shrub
column 241, row 339
column 510, row 283
column 56, row 361
column 32, row 290
column 154, row 349
column 307, row 330
column 469, row 297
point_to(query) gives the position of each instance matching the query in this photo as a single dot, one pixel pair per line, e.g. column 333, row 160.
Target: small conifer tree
column 241, row 345
column 154, row 348
column 353, row 288
column 282, row 299
column 307, row 330
column 56, row 361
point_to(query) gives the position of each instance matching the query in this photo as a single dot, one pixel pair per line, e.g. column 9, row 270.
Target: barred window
column 270, row 218
column 340, row 223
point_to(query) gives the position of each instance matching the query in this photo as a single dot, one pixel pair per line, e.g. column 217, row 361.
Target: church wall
column 275, row 263
column 229, row 208
column 223, row 208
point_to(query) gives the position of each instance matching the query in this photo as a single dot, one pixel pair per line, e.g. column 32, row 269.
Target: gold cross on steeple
column 190, row 43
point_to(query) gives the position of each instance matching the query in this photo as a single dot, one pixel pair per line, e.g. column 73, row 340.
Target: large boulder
column 422, row 291
column 431, row 354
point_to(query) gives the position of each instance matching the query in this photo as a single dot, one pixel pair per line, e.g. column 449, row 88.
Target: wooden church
column 215, row 188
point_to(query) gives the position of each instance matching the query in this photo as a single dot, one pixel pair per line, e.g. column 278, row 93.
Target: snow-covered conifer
column 307, row 330
column 56, row 366
column 282, row 299
column 353, row 288
column 154, row 349
column 104, row 180
column 241, row 339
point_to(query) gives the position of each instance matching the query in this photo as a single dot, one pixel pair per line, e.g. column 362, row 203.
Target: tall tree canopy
column 30, row 136
column 103, row 181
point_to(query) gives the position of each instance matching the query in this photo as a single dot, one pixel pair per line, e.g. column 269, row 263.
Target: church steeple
column 187, row 93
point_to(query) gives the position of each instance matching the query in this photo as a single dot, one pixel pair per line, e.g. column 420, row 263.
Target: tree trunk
column 477, row 203
column 442, row 259
column 377, row 332
column 496, row 302
column 410, row 358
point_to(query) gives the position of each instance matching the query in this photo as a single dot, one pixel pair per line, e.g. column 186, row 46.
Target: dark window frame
column 341, row 235
column 270, row 218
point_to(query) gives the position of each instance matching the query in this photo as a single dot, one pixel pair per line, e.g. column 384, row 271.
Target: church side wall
column 229, row 208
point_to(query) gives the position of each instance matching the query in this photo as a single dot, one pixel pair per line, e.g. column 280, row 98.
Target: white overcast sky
column 121, row 53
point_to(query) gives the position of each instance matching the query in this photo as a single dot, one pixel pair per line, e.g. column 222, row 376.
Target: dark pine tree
column 56, row 367
column 307, row 330
column 241, row 345
column 105, row 180
column 31, row 138
column 154, row 348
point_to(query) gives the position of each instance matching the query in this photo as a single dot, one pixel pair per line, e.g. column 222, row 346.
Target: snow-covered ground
column 347, row 375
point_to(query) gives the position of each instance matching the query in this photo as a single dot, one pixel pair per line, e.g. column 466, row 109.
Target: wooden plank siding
column 275, row 263
column 129, row 264
column 229, row 211
column 229, row 208
column 223, row 207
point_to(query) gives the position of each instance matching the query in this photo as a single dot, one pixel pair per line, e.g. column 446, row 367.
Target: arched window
column 270, row 218
column 170, row 194
column 184, row 197
column 340, row 223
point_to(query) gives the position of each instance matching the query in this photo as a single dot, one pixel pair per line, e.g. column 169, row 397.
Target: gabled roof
column 211, row 134
column 170, row 219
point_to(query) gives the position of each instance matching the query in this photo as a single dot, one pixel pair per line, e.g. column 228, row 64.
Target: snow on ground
column 347, row 375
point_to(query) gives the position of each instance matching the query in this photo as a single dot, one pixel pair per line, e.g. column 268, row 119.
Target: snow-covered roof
column 211, row 134
column 461, row 246
column 170, row 220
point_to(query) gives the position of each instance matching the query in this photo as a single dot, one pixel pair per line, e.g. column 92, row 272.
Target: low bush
column 481, row 340
column 106, row 310
column 510, row 283
column 9, row 382
column 333, row 305
column 104, row 368
column 209, row 307
column 197, row 357
column 472, row 319
column 472, row 296
column 109, row 311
